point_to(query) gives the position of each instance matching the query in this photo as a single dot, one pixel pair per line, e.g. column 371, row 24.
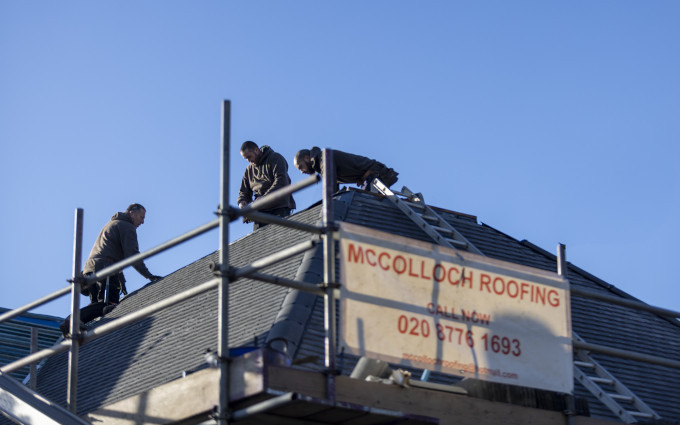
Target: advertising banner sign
column 429, row 306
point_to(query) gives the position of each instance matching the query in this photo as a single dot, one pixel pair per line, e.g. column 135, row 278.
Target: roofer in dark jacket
column 116, row 241
column 349, row 168
column 267, row 172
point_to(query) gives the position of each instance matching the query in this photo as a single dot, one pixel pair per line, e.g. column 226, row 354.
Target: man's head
column 137, row 213
column 250, row 151
column 303, row 162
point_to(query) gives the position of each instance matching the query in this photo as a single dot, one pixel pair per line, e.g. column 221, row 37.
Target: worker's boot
column 64, row 327
column 108, row 309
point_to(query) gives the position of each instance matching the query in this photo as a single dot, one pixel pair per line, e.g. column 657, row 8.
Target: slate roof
column 162, row 347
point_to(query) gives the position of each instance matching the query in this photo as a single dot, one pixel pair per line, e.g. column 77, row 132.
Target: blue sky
column 555, row 122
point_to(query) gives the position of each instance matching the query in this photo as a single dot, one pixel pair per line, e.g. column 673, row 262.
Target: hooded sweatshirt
column 268, row 174
column 116, row 241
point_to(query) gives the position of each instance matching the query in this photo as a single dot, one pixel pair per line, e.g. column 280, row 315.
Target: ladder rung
column 443, row 230
column 415, row 204
column 457, row 243
column 430, row 217
column 602, row 380
column 621, row 397
column 584, row 364
column 641, row 414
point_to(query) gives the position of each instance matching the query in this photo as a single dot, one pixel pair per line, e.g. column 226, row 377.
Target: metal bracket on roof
column 216, row 269
column 230, row 212
column 330, row 228
column 332, row 285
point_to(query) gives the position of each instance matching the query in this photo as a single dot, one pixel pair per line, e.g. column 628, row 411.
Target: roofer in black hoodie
column 349, row 168
column 116, row 241
column 267, row 172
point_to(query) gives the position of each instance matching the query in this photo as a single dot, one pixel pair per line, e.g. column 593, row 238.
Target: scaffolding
column 224, row 275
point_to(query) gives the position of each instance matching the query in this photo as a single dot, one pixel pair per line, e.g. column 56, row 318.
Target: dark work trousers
column 280, row 212
column 97, row 300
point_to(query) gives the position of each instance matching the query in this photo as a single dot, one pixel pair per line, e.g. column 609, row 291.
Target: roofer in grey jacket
column 116, row 241
column 349, row 168
column 267, row 172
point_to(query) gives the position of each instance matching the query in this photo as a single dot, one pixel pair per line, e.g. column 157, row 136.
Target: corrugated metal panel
column 15, row 337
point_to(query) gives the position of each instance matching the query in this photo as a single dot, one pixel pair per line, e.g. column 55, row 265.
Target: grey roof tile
column 159, row 348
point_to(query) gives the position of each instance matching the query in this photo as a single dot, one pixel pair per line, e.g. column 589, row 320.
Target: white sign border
column 362, row 234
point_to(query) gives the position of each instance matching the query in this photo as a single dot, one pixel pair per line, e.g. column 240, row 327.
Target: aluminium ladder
column 609, row 390
column 426, row 218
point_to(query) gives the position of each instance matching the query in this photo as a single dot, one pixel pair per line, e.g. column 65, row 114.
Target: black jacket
column 350, row 168
column 267, row 175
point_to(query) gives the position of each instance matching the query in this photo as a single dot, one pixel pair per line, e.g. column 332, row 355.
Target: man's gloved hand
column 366, row 184
column 242, row 205
column 154, row 278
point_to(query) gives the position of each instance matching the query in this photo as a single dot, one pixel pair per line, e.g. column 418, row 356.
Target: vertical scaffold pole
column 562, row 271
column 72, row 388
column 562, row 260
column 223, row 308
column 33, row 380
column 329, row 271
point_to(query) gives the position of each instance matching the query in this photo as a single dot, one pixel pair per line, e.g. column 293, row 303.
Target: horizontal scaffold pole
column 148, row 311
column 37, row 303
column 290, row 283
column 625, row 354
column 115, row 268
column 637, row 305
column 111, row 326
column 273, row 198
column 274, row 258
column 261, row 217
column 57, row 348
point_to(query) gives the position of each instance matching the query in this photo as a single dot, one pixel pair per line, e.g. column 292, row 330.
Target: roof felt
column 160, row 348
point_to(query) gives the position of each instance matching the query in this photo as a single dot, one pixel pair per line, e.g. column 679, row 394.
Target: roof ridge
column 606, row 285
column 28, row 315
column 577, row 269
